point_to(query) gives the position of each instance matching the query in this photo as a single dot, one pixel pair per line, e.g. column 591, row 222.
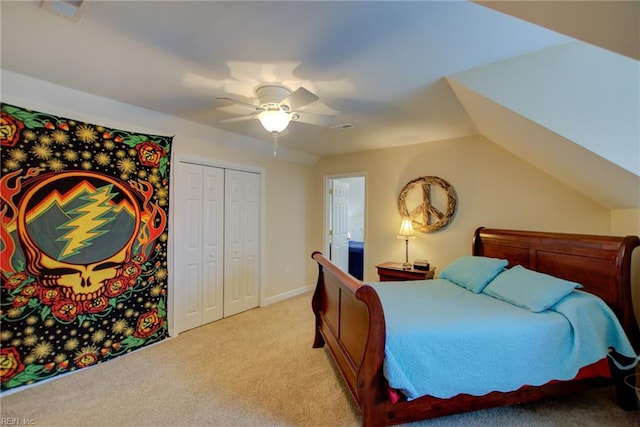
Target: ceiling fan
column 277, row 107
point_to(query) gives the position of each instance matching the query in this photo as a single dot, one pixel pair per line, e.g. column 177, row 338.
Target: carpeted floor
column 253, row 369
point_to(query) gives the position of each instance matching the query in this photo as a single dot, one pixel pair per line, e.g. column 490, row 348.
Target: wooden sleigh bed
column 351, row 322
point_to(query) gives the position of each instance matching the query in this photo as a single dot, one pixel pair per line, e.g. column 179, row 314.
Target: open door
column 345, row 221
column 340, row 224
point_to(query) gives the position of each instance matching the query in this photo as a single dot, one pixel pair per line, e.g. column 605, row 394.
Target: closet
column 217, row 249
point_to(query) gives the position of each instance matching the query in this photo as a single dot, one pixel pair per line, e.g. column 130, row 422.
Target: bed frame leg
column 373, row 416
column 318, row 341
column 625, row 389
column 626, row 382
column 316, row 305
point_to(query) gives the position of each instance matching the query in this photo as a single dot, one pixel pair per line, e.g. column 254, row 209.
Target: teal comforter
column 443, row 340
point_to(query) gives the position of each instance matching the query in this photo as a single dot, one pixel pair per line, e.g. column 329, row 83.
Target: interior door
column 213, row 244
column 242, row 241
column 199, row 254
column 188, row 278
column 340, row 225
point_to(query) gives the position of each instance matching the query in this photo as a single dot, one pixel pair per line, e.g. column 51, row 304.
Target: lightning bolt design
column 86, row 221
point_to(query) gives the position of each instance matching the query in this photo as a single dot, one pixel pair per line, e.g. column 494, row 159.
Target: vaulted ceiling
column 399, row 72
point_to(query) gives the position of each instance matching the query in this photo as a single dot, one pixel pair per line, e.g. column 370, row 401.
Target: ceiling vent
column 70, row 9
column 343, row 126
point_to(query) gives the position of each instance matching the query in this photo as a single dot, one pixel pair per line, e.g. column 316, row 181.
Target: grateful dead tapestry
column 83, row 248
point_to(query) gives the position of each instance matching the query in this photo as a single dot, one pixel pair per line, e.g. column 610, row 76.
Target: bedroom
column 494, row 186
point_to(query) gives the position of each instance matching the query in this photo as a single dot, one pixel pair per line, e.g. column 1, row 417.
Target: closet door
column 199, row 245
column 242, row 241
column 213, row 244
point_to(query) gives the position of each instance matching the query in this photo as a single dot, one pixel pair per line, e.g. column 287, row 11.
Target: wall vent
column 343, row 126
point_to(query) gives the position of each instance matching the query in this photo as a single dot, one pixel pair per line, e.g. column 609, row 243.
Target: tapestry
column 83, row 248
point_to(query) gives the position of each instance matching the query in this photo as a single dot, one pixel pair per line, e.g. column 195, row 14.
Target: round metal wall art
column 425, row 216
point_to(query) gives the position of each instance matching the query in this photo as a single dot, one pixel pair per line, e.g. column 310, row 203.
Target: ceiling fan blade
column 237, row 119
column 299, row 98
column 243, row 103
column 193, row 80
column 313, row 119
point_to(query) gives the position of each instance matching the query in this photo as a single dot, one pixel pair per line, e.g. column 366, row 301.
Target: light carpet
column 256, row 368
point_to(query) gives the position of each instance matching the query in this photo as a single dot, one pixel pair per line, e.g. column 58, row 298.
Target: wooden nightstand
column 393, row 271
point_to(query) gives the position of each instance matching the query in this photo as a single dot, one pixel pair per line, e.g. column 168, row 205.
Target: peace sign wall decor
column 425, row 216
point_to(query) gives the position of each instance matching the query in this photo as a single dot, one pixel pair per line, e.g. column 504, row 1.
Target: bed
column 351, row 323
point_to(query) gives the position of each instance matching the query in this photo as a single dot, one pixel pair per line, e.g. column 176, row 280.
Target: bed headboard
column 602, row 264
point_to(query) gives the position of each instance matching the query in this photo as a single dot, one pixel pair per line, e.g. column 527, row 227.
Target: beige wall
column 286, row 186
column 494, row 189
column 285, row 226
column 625, row 222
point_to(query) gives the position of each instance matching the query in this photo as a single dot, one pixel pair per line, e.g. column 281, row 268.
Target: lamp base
column 407, row 264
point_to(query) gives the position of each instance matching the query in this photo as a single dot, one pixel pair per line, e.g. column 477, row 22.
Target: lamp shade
column 274, row 120
column 406, row 229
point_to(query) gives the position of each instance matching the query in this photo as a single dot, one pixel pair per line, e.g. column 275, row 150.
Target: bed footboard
column 350, row 321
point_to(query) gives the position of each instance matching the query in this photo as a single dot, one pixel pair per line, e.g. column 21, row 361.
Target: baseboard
column 286, row 295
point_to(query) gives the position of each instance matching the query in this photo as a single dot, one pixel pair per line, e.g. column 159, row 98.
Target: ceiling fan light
column 274, row 120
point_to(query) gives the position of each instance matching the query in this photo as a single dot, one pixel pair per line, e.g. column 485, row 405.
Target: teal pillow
column 529, row 289
column 473, row 272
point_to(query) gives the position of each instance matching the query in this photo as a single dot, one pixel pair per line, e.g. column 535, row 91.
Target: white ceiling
column 377, row 65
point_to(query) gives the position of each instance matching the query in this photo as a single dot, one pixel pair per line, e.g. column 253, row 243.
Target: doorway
column 345, row 222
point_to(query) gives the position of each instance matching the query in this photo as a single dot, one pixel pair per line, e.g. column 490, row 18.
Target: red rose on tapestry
column 10, row 363
column 115, row 287
column 10, row 129
column 66, row 310
column 48, row 296
column 15, row 280
column 131, row 271
column 30, row 291
column 148, row 323
column 96, row 305
column 20, row 301
column 150, row 154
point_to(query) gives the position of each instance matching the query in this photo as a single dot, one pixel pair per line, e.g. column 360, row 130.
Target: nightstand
column 393, row 271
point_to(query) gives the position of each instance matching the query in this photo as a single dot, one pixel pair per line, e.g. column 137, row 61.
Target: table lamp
column 406, row 233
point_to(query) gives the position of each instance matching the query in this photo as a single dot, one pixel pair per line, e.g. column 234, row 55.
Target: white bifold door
column 217, row 235
column 241, row 241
